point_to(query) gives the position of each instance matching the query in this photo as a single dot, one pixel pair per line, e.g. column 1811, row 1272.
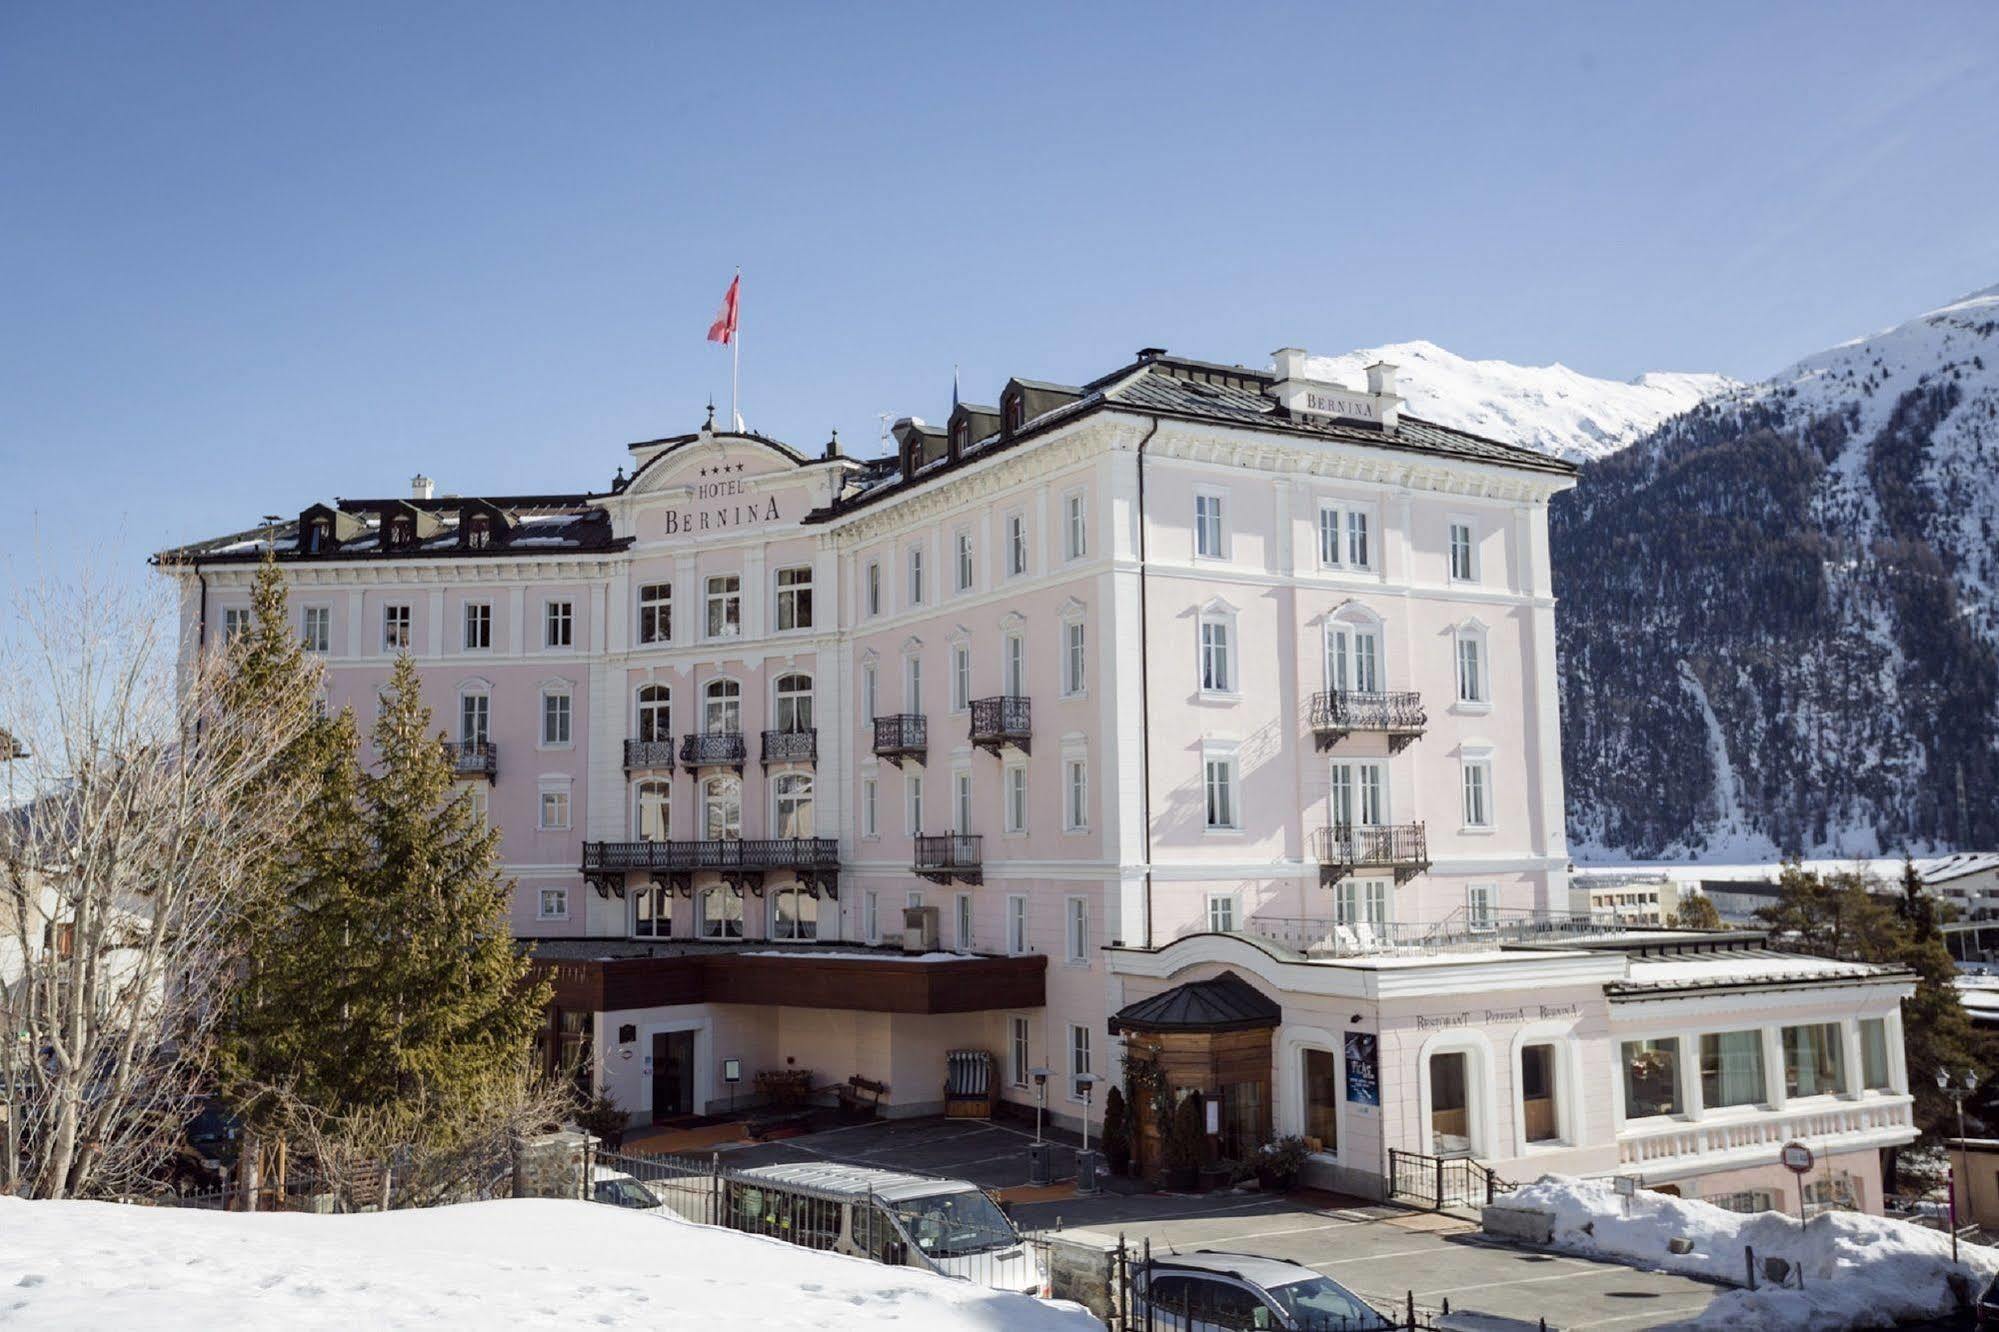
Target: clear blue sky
column 256, row 255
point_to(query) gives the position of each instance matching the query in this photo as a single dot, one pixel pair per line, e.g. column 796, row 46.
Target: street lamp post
column 1957, row 1093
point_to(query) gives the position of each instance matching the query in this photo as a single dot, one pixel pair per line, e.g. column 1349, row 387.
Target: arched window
column 652, row 809
column 721, row 913
column 722, row 708
column 794, row 805
column 794, row 702
column 722, row 809
column 652, row 912
column 655, row 712
column 794, row 914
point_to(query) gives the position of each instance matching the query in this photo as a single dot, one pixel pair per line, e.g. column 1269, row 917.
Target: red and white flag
column 723, row 330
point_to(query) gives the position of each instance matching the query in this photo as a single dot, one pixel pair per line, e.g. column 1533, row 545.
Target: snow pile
column 1547, row 407
column 1859, row 1271
column 525, row 1263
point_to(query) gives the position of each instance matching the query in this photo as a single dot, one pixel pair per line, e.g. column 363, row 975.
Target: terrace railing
column 901, row 735
column 1401, row 849
column 474, row 758
column 1338, row 713
column 1001, row 721
column 949, row 856
column 713, row 749
column 794, row 746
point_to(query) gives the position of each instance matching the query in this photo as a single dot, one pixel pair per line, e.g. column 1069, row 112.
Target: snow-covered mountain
column 1547, row 407
column 1779, row 628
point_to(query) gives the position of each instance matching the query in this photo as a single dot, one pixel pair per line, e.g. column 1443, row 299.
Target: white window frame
column 871, row 588
column 961, row 801
column 912, row 803
column 1471, row 634
column 871, row 916
column 1222, row 916
column 236, row 621
column 321, row 619
column 398, row 615
column 793, row 600
column 1475, row 777
column 1482, row 905
column 1075, row 793
column 558, row 624
column 870, row 692
column 961, row 677
column 1013, row 664
column 1075, row 525
column 1080, row 1056
column 641, row 789
column 1219, row 767
column 554, row 798
column 1221, row 616
column 1018, row 558
column 543, row 898
column 725, row 597
column 1363, row 901
column 1013, row 799
column 1469, row 574
column 480, row 614
column 912, row 683
column 661, row 607
column 870, row 807
column 475, row 702
column 1076, row 929
column 548, row 713
column 917, row 588
column 1020, row 1050
column 1211, row 523
column 1075, row 656
column 1358, row 779
column 961, row 916
column 965, row 572
column 1017, row 941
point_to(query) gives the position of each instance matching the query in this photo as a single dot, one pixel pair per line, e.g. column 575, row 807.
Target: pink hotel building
column 1193, row 708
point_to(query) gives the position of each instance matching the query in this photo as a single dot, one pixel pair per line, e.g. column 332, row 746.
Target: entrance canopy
column 1225, row 1003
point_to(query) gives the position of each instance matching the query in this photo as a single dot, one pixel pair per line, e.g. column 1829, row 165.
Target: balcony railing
column 742, row 862
column 1753, row 1136
column 648, row 754
column 941, row 859
column 999, row 722
column 473, row 758
column 796, row 746
column 903, row 735
column 714, row 749
column 1461, row 932
column 1401, row 849
column 1338, row 713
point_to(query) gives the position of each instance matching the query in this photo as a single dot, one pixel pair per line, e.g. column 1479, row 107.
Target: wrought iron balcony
column 473, row 758
column 1401, row 849
column 1338, row 713
column 903, row 735
column 742, row 862
column 999, row 722
column 715, row 749
column 950, row 856
column 795, row 746
column 648, row 754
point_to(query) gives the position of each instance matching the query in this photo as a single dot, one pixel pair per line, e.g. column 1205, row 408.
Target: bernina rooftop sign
column 1377, row 405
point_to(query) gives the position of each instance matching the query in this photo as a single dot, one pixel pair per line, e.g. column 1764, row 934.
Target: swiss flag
column 724, row 328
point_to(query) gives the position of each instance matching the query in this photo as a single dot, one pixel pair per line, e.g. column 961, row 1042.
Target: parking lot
column 1382, row 1252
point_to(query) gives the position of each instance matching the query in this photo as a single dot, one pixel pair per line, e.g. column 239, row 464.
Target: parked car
column 1232, row 1292
column 621, row 1190
column 209, row 1145
column 942, row 1225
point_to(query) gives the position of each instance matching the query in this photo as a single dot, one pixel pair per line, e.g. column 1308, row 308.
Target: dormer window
column 399, row 532
column 479, row 532
column 318, row 536
column 961, row 434
column 1010, row 413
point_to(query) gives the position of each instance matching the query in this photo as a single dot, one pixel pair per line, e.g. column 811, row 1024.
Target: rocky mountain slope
column 1778, row 623
column 1547, row 407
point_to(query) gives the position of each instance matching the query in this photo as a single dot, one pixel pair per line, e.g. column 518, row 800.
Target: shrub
column 1117, row 1132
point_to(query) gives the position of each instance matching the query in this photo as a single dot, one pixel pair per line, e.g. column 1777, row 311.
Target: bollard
column 1749, row 1262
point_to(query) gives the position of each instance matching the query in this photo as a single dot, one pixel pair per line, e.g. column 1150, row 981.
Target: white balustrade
column 1820, row 1125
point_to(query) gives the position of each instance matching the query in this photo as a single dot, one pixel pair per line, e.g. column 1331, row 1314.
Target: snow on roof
column 839, row 1177
column 1934, row 869
column 1740, row 966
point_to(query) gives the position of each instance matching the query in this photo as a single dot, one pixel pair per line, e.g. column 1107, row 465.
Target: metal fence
column 1441, row 1181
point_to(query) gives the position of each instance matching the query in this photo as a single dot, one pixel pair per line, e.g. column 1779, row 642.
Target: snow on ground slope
column 1859, row 1271
column 493, row 1265
column 1547, row 407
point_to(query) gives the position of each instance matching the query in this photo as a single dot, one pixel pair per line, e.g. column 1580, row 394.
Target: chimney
column 421, row 486
column 1381, row 378
column 1290, row 363
column 1150, row 353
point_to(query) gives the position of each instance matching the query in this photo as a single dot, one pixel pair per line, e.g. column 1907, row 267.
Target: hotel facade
column 1195, row 718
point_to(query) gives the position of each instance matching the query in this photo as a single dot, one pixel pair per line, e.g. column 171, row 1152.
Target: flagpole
column 736, row 357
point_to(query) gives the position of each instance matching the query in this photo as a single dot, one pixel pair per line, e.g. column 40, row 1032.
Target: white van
column 944, row 1225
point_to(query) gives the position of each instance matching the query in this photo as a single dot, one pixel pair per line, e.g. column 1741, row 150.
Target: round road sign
column 1796, row 1157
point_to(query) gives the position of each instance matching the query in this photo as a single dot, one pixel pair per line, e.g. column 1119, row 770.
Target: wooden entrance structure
column 1211, row 1036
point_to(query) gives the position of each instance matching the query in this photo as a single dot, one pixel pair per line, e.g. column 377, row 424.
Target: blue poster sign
column 1363, row 1068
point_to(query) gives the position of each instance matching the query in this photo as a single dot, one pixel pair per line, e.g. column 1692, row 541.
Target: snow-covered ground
column 493, row 1265
column 1547, row 407
column 1859, row 1271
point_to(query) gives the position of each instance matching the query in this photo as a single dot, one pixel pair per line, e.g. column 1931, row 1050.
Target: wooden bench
column 861, row 1097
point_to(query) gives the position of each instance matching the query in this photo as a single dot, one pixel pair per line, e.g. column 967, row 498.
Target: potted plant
column 1117, row 1132
column 1278, row 1162
column 1186, row 1144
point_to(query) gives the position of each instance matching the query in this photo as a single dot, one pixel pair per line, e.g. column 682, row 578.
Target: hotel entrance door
column 672, row 1075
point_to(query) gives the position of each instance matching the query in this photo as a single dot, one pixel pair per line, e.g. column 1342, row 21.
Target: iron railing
column 648, row 754
column 901, row 735
column 473, row 758
column 1398, row 714
column 713, row 749
column 794, row 746
column 713, row 853
column 1004, row 720
column 1441, row 1181
column 1347, row 848
column 1460, row 932
column 949, row 856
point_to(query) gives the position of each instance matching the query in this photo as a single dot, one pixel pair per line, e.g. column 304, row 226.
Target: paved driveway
column 1382, row 1252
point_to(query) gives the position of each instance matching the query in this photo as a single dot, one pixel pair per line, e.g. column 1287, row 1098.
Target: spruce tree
column 1937, row 1035
column 442, row 1010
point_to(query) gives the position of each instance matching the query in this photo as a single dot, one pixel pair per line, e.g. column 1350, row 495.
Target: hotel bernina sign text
column 720, row 506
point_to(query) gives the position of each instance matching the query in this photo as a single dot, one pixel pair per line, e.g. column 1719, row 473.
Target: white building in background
column 1187, row 712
